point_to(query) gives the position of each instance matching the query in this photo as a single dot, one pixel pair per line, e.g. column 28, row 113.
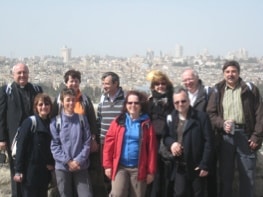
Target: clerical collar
column 19, row 86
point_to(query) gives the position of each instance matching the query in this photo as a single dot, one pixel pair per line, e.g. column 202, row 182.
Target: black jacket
column 33, row 152
column 159, row 106
column 198, row 139
column 11, row 110
column 202, row 97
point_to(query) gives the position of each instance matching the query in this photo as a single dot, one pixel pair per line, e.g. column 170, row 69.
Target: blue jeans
column 236, row 148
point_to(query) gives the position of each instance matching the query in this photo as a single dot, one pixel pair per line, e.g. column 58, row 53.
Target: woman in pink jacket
column 129, row 154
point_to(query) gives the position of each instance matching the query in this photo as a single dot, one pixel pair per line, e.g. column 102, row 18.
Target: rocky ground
column 5, row 179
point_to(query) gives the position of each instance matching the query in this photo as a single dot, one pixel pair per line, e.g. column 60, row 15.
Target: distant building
column 65, row 54
column 178, row 51
column 243, row 54
column 149, row 55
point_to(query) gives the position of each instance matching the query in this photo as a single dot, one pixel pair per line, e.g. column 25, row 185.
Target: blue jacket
column 70, row 142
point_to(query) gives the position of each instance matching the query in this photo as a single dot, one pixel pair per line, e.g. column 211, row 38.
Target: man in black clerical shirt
column 16, row 104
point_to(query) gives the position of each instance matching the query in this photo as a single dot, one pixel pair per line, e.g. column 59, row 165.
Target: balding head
column 190, row 79
column 20, row 74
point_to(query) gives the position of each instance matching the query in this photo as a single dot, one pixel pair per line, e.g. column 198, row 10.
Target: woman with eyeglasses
column 129, row 154
column 160, row 104
column 34, row 161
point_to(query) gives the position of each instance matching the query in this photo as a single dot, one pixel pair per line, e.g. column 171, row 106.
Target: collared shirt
column 192, row 97
column 232, row 105
column 112, row 98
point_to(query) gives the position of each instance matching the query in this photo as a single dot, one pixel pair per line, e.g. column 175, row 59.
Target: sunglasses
column 182, row 101
column 41, row 104
column 157, row 84
column 135, row 103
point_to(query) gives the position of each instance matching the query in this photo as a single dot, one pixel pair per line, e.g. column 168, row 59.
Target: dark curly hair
column 142, row 97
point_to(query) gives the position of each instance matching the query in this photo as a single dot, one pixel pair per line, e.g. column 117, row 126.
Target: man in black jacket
column 191, row 141
column 16, row 104
column 198, row 95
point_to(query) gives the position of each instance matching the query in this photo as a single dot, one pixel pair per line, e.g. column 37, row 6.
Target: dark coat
column 252, row 109
column 159, row 106
column 11, row 110
column 33, row 152
column 198, row 140
column 202, row 97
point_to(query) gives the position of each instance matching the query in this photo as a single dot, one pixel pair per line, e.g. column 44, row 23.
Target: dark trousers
column 96, row 173
column 33, row 191
column 161, row 183
column 211, row 183
column 107, row 181
column 185, row 186
column 234, row 148
column 15, row 187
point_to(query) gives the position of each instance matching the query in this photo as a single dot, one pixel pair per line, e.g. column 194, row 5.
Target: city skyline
column 123, row 28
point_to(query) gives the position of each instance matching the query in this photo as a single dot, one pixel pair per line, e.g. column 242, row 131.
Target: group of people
column 123, row 150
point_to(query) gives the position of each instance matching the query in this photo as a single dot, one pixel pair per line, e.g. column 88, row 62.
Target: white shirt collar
column 192, row 97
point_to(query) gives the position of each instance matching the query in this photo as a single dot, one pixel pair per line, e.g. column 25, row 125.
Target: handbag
column 165, row 152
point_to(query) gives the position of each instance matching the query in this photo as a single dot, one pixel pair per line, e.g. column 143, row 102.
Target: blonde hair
column 155, row 76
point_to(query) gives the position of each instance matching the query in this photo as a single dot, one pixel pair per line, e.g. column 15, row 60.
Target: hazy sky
column 129, row 27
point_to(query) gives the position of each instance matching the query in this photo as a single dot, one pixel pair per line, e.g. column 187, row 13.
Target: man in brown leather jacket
column 236, row 112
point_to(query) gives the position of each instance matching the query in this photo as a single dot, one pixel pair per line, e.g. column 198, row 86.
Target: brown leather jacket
column 252, row 109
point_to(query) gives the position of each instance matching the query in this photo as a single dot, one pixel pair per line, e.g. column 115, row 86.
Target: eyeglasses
column 157, row 84
column 41, row 104
column 182, row 101
column 188, row 80
column 135, row 103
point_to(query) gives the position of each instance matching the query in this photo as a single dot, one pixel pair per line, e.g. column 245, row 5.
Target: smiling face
column 109, row 87
column 21, row 74
column 133, row 106
column 73, row 83
column 231, row 75
column 181, row 102
column 190, row 81
column 160, row 86
column 68, row 104
column 43, row 108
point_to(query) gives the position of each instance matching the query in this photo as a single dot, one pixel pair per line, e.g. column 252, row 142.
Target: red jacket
column 113, row 143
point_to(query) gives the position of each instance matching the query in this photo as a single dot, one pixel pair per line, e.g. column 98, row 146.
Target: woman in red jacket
column 129, row 154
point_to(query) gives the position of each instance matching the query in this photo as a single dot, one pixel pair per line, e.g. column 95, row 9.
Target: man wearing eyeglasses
column 190, row 139
column 236, row 112
column 16, row 104
column 198, row 95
